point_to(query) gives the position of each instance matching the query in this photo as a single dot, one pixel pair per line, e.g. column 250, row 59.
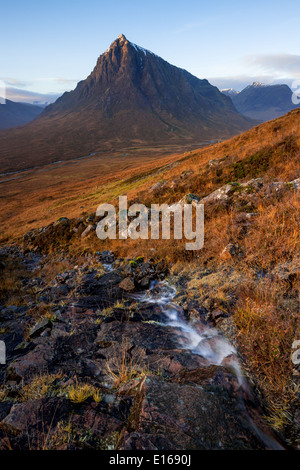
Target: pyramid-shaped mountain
column 131, row 98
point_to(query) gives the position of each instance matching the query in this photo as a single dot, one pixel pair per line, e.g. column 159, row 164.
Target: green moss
column 133, row 263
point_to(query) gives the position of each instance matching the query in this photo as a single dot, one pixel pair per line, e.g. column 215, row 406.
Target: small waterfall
column 198, row 337
column 209, row 343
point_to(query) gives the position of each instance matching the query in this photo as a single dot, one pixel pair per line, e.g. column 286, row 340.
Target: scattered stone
column 220, row 195
column 39, row 327
column 192, row 199
column 217, row 314
column 232, row 250
column 59, row 291
column 186, row 174
column 295, row 183
column 288, row 271
column 145, row 282
column 87, row 231
column 158, row 186
column 127, row 284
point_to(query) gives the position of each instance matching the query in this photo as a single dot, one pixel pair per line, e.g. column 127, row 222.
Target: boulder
column 220, row 195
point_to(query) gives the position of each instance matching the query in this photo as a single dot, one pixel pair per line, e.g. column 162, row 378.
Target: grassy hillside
column 246, row 277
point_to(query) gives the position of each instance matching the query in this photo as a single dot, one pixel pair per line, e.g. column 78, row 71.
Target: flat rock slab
column 176, row 416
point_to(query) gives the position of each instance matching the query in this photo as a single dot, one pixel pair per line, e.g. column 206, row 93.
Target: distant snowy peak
column 229, row 91
column 256, row 85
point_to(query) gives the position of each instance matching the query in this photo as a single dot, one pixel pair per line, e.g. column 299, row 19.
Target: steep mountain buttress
column 131, row 98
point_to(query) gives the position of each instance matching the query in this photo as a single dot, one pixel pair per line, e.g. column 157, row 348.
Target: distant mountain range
column 262, row 102
column 132, row 98
column 16, row 114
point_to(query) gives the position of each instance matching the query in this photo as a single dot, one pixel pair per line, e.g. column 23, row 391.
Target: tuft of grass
column 119, row 304
column 79, row 393
column 267, row 328
column 42, row 386
column 124, row 366
column 3, row 393
column 67, row 434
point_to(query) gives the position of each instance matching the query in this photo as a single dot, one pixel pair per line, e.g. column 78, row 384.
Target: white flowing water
column 198, row 337
column 209, row 343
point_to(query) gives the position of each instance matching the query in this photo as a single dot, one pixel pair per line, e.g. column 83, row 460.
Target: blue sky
column 48, row 46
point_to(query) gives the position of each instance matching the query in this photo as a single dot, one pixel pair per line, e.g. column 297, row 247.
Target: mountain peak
column 122, row 38
column 131, row 98
column 120, row 41
column 257, row 85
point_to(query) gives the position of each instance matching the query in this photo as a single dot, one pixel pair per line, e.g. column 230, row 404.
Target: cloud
column 68, row 81
column 14, row 82
column 26, row 96
column 278, row 64
column 22, row 91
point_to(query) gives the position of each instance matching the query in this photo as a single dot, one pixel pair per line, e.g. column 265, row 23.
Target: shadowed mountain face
column 131, row 98
column 16, row 114
column 264, row 102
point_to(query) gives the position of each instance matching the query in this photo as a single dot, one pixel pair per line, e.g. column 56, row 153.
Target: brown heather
column 266, row 312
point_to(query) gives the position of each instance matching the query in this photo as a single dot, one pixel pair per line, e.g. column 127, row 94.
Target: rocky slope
column 100, row 371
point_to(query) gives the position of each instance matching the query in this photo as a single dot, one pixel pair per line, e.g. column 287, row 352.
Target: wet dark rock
column 106, row 257
column 128, row 270
column 145, row 282
column 33, row 415
column 59, row 291
column 39, row 327
column 199, row 418
column 35, row 362
column 5, row 408
column 105, row 285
